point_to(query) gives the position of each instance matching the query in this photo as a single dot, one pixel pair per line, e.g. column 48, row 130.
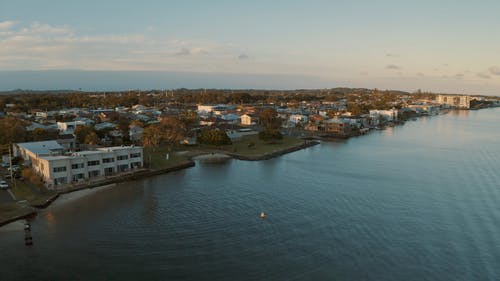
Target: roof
column 115, row 148
column 51, row 158
column 42, row 147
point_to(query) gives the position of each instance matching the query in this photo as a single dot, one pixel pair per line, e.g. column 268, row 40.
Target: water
column 417, row 202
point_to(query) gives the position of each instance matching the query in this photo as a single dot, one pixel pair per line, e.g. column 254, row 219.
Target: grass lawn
column 181, row 154
column 260, row 147
column 157, row 157
column 25, row 190
column 10, row 210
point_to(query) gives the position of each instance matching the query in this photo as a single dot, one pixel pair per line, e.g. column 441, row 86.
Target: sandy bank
column 211, row 156
column 75, row 195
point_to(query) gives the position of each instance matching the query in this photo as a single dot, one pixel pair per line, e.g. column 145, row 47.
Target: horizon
column 443, row 47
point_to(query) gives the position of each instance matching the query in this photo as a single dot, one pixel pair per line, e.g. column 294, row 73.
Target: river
column 413, row 202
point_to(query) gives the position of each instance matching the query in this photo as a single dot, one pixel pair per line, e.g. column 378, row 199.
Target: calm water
column 417, row 202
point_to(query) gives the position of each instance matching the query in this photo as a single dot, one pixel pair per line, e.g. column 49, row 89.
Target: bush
column 214, row 137
column 269, row 135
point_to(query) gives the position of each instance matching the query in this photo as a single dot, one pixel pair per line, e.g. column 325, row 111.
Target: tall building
column 454, row 101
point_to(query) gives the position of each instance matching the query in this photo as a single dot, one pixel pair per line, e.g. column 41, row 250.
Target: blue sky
column 444, row 46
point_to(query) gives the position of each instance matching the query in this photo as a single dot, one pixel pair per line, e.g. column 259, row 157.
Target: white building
column 248, row 120
column 218, row 109
column 69, row 127
column 454, row 101
column 298, row 118
column 55, row 168
column 389, row 115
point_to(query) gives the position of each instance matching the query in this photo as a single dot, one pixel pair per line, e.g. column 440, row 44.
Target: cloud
column 183, row 52
column 483, row 75
column 40, row 46
column 243, row 57
column 495, row 70
column 6, row 25
column 392, row 55
column 392, row 66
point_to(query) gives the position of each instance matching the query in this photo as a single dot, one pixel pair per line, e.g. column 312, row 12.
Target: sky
column 440, row 45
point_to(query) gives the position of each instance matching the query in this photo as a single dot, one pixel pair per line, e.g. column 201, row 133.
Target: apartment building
column 454, row 101
column 56, row 168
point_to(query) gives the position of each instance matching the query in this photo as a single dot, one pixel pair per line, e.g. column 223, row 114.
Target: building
column 69, row 127
column 48, row 160
column 454, row 101
column 33, row 150
column 388, row 115
column 248, row 119
column 337, row 126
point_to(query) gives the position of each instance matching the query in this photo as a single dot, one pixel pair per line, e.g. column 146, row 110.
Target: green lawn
column 10, row 210
column 33, row 192
column 260, row 148
column 156, row 158
column 181, row 154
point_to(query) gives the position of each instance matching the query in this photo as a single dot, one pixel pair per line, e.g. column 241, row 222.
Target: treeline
column 24, row 101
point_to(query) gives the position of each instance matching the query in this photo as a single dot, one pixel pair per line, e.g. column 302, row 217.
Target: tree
column 12, row 131
column 173, row 130
column 214, row 137
column 92, row 138
column 40, row 134
column 271, row 123
column 269, row 135
column 81, row 133
column 152, row 136
column 269, row 118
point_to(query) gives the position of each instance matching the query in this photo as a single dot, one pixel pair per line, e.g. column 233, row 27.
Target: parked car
column 4, row 185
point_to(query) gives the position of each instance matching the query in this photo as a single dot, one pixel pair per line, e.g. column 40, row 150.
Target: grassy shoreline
column 159, row 160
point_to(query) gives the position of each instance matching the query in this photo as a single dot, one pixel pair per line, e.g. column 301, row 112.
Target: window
column 93, row 174
column 135, row 155
column 77, row 177
column 108, row 160
column 59, row 181
column 122, row 157
column 77, row 166
column 135, row 165
column 59, row 169
column 108, row 171
column 123, row 168
column 93, row 163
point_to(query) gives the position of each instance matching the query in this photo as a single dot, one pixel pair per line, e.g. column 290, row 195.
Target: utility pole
column 11, row 171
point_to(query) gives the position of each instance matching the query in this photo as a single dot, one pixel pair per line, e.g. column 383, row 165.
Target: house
column 35, row 125
column 104, row 126
column 297, row 118
column 248, row 119
column 337, row 126
column 388, row 115
column 230, row 118
column 135, row 133
column 235, row 134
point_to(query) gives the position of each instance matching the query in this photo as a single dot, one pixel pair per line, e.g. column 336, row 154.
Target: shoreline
column 31, row 211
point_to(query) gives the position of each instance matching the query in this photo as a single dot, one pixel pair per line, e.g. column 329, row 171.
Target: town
column 57, row 142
